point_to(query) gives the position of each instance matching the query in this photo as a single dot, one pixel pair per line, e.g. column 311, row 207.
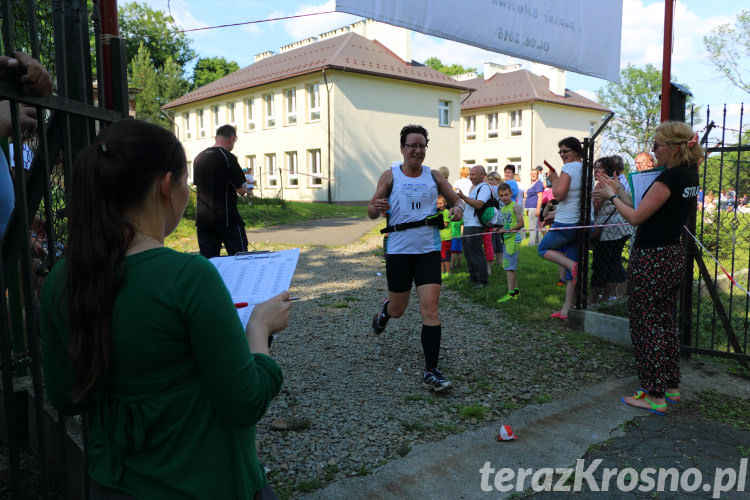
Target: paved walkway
column 321, row 232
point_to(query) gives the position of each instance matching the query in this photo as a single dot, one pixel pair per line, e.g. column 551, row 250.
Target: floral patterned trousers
column 654, row 278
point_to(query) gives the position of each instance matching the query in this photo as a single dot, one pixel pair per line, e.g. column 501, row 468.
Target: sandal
column 558, row 315
column 669, row 396
column 654, row 407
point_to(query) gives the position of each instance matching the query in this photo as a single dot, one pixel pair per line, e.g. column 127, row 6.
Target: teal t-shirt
column 175, row 416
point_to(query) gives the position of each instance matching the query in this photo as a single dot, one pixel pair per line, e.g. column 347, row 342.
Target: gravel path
column 352, row 401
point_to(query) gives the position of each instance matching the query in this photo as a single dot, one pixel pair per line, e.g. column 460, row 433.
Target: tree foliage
column 635, row 99
column 210, row 69
column 156, row 88
column 453, row 69
column 729, row 49
column 140, row 24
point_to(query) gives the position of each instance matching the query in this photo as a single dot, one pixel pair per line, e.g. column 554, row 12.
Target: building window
column 230, row 113
column 215, row 111
column 516, row 162
column 592, row 128
column 515, row 122
column 270, row 118
column 316, row 175
column 291, row 168
column 313, row 91
column 201, row 124
column 471, row 128
column 272, row 179
column 469, row 163
column 186, row 121
column 491, row 125
column 444, row 113
column 491, row 164
column 250, row 113
column 250, row 164
column 291, row 106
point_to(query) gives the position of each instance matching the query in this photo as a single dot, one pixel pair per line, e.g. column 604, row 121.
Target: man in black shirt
column 219, row 179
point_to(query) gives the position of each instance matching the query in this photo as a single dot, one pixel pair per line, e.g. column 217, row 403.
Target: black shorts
column 403, row 268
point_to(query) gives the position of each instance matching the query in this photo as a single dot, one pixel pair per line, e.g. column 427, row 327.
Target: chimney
column 491, row 69
column 556, row 77
column 395, row 38
column 263, row 55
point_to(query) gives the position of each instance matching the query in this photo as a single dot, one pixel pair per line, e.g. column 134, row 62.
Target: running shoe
column 381, row 318
column 508, row 296
column 434, row 379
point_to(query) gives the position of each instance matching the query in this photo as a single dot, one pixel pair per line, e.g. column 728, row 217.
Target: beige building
column 517, row 117
column 320, row 121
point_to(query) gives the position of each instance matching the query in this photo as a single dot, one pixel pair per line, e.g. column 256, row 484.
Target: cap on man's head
column 539, row 167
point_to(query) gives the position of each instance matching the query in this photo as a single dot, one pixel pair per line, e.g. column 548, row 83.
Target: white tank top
column 413, row 199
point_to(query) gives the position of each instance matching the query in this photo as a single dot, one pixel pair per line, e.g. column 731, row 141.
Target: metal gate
column 714, row 301
column 715, row 297
column 59, row 33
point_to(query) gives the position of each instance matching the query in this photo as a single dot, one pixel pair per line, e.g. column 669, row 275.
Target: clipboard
column 254, row 277
column 641, row 181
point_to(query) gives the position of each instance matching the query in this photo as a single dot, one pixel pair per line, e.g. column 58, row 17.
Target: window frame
column 515, row 129
column 201, row 123
column 269, row 110
column 292, row 169
column 316, row 178
column 186, row 122
column 492, row 133
column 470, row 127
column 313, row 102
column 231, row 112
column 250, row 114
column 444, row 107
column 272, row 177
column 290, row 117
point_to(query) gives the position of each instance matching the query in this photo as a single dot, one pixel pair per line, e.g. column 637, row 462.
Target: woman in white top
column 560, row 246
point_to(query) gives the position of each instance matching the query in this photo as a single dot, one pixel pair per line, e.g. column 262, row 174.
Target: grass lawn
column 262, row 213
column 537, row 278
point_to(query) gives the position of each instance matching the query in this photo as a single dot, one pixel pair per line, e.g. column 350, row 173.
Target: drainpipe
column 110, row 29
column 532, row 165
column 328, row 119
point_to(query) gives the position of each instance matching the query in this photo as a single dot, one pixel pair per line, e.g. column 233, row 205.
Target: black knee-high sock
column 431, row 345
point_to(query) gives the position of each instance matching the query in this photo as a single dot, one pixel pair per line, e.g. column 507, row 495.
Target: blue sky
column 642, row 35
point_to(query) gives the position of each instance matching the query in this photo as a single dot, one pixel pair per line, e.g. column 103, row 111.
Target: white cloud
column 304, row 27
column 587, row 94
column 643, row 33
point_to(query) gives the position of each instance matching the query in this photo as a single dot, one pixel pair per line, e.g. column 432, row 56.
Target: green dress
column 175, row 417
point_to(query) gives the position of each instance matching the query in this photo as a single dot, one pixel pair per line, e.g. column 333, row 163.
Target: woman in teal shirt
column 147, row 339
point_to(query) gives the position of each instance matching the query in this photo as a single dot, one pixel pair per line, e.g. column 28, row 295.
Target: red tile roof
column 521, row 86
column 349, row 52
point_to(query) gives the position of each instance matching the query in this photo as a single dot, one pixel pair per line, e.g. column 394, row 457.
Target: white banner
column 577, row 35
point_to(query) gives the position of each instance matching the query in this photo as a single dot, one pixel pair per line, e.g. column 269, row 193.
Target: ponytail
column 110, row 177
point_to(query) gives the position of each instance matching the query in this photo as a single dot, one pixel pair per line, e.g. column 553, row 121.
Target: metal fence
column 60, row 34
